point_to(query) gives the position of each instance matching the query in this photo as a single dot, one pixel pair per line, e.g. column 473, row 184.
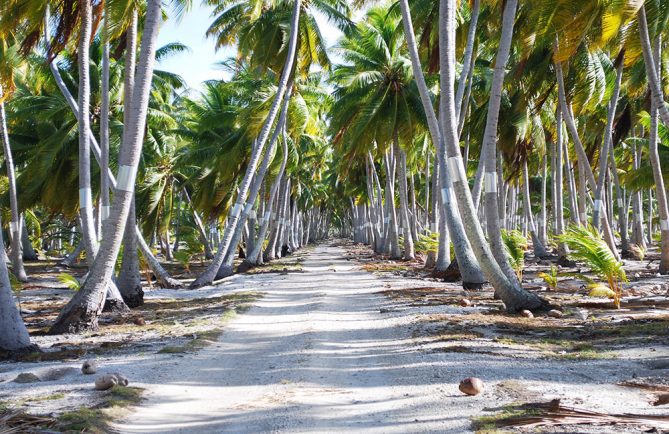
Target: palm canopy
column 259, row 29
column 375, row 95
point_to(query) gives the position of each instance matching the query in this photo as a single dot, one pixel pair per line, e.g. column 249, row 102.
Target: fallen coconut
column 471, row 386
column 554, row 313
column 89, row 367
column 106, row 382
column 139, row 321
column 526, row 314
column 465, row 302
column 26, row 377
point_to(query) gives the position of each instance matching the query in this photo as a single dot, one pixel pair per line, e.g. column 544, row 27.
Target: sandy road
column 314, row 355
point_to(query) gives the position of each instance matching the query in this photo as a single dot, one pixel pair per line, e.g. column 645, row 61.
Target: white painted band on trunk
column 598, row 205
column 267, row 216
column 454, row 164
column 433, row 227
column 261, row 221
column 234, row 212
column 490, row 182
column 248, row 208
column 126, row 178
column 446, row 195
column 386, row 219
column 14, row 227
column 104, row 212
column 253, row 215
column 584, row 217
column 621, row 202
column 664, row 225
column 85, row 198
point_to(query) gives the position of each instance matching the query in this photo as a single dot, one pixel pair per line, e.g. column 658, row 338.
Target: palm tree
column 15, row 224
column 82, row 311
column 13, row 333
column 233, row 219
column 511, row 293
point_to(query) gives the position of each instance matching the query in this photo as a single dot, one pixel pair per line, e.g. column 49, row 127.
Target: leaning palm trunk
column 539, row 249
column 470, row 270
column 651, row 68
column 255, row 257
column 404, row 201
column 82, row 312
column 13, row 332
column 489, row 147
column 210, row 273
column 511, row 293
column 162, row 276
column 226, row 268
column 85, row 194
column 16, row 256
column 584, row 164
column 393, row 231
column 200, row 227
column 129, row 279
column 558, row 176
column 604, row 153
column 661, row 193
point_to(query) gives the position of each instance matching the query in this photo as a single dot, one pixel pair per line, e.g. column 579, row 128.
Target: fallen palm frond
column 16, row 421
column 587, row 245
column 552, row 413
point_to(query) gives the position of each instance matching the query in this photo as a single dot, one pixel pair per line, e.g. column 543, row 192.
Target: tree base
column 224, row 271
column 18, row 354
column 244, row 267
column 115, row 306
column 133, row 298
column 473, row 286
column 452, row 273
column 75, row 320
column 168, row 282
column 563, row 261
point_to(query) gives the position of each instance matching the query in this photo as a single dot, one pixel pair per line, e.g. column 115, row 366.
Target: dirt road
column 313, row 355
column 323, row 351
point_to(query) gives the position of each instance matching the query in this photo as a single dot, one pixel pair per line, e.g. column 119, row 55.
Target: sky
column 199, row 64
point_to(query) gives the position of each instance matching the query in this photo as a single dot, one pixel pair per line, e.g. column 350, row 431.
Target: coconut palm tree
column 82, row 311
column 513, row 295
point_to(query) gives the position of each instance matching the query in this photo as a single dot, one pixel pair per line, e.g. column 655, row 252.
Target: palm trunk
column 226, row 267
column 104, row 120
column 82, row 312
column 558, row 177
column 13, row 332
column 208, row 276
column 85, row 195
column 404, row 201
column 16, row 256
column 660, row 191
column 604, row 153
column 514, row 296
column 255, row 257
column 129, row 278
column 539, row 249
column 470, row 270
column 651, row 68
column 489, row 147
column 584, row 163
column 164, row 278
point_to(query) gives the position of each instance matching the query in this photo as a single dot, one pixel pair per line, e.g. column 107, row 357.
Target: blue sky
column 199, row 64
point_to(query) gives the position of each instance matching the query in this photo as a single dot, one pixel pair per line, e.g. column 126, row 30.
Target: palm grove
column 459, row 130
